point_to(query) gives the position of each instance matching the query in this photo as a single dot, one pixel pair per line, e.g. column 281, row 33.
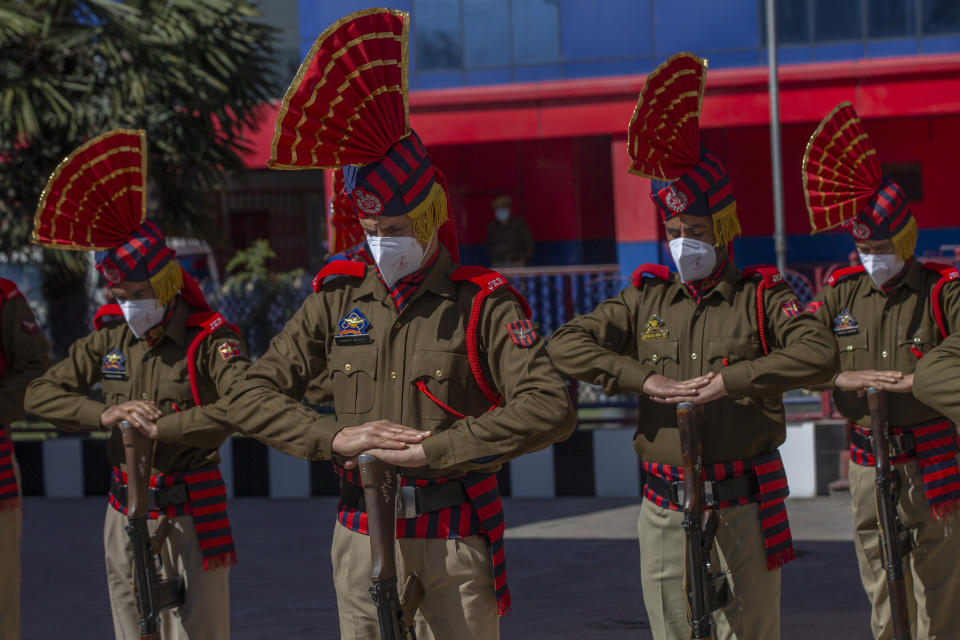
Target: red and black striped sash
column 935, row 451
column 9, row 493
column 772, row 480
column 483, row 515
column 207, row 504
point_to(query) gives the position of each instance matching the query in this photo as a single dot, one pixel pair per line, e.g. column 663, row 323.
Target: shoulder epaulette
column 350, row 268
column 107, row 314
column 659, row 271
column 844, row 273
column 208, row 322
column 8, row 289
column 770, row 274
column 947, row 273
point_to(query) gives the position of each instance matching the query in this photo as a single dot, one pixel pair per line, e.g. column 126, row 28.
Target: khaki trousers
column 753, row 612
column 11, row 527
column 205, row 614
column 11, row 521
column 457, row 577
column 932, row 578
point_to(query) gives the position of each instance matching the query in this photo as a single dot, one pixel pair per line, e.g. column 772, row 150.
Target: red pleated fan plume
column 347, row 105
column 663, row 137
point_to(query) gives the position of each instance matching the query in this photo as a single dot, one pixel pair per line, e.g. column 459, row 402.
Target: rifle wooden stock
column 891, row 547
column 152, row 594
column 696, row 579
column 380, row 486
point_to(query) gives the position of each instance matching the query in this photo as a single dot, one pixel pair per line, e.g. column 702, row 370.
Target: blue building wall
column 477, row 42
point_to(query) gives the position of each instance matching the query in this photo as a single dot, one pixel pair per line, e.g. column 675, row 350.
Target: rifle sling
column 901, row 444
column 160, row 497
column 430, row 498
column 731, row 489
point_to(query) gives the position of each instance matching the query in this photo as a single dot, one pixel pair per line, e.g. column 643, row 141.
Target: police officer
column 509, row 241
column 23, row 357
column 162, row 368
column 700, row 335
column 433, row 367
column 888, row 315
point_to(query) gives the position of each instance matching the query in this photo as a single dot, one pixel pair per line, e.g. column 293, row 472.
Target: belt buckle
column 407, row 502
column 681, row 493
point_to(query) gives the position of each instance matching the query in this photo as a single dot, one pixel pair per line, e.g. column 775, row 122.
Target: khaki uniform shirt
column 377, row 380
column 191, row 436
column 26, row 352
column 884, row 328
column 659, row 329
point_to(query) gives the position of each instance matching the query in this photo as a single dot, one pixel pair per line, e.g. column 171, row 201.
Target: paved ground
column 573, row 568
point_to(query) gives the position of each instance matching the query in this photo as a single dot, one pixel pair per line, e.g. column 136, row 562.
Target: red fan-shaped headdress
column 347, row 107
column 663, row 140
column 348, row 102
column 844, row 185
column 96, row 200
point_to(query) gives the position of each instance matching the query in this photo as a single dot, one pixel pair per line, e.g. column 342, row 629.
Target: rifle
column 705, row 590
column 380, row 484
column 152, row 593
column 894, row 539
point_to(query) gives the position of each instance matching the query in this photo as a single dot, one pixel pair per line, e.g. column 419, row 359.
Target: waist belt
column 9, row 492
column 715, row 492
column 411, row 501
column 159, row 497
column 901, row 444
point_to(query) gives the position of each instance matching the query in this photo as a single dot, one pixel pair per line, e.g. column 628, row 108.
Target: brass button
column 347, row 367
column 143, row 396
column 396, row 325
column 655, row 357
column 319, row 453
column 393, row 374
column 443, row 459
column 439, row 373
column 697, row 312
column 916, row 339
column 849, row 347
column 883, row 354
column 693, row 356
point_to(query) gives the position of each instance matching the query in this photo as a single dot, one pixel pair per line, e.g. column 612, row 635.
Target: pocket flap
column 351, row 360
column 440, row 365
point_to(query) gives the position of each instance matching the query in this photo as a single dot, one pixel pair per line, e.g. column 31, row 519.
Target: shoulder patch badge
column 29, row 326
column 655, row 328
column 790, row 309
column 523, row 333
column 845, row 324
column 354, row 329
column 114, row 365
column 229, row 349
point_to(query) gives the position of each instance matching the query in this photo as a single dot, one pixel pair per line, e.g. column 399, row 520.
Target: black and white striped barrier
column 592, row 462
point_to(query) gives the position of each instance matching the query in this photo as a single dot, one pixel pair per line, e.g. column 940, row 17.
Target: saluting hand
column 142, row 414
column 379, row 434
column 894, row 381
column 669, row 391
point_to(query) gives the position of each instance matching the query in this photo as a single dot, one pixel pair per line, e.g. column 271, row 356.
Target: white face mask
column 881, row 266
column 502, row 214
column 396, row 257
column 142, row 315
column 695, row 259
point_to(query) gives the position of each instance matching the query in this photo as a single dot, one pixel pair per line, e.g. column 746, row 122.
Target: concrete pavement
column 573, row 567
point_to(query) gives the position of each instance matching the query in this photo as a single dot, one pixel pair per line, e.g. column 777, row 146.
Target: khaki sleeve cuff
column 169, row 428
column 89, row 413
column 319, row 443
column 736, row 380
column 634, row 375
column 440, row 451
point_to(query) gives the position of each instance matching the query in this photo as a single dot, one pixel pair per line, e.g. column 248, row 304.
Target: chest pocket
column 447, row 377
column 853, row 350
column 174, row 392
column 354, row 373
column 117, row 391
column 923, row 340
column 733, row 350
column 662, row 353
